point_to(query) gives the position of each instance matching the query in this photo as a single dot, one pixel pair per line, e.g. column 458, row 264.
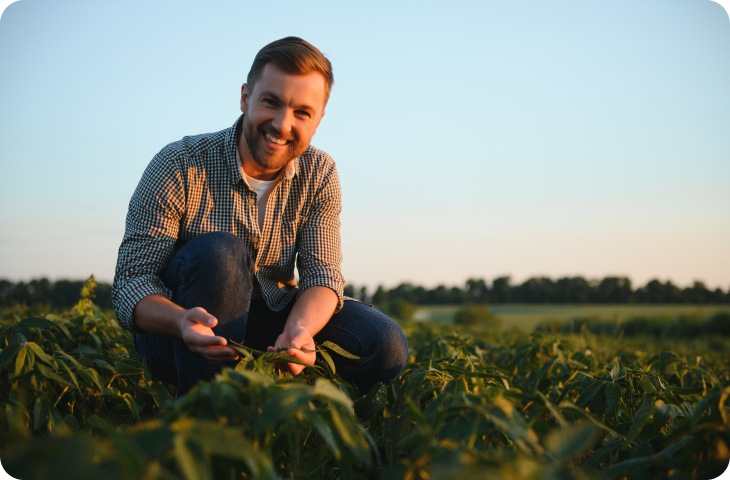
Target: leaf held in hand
column 337, row 349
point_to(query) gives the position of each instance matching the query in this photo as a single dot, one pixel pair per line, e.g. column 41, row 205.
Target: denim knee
column 221, row 252
column 212, row 271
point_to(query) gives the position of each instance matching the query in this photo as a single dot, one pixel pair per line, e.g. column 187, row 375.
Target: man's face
column 281, row 114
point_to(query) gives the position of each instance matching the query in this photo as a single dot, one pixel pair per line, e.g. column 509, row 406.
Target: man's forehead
column 311, row 86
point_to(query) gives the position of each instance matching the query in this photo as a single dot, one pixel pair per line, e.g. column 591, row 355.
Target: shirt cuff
column 127, row 297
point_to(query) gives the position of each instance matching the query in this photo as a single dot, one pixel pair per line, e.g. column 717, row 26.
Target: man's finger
column 217, row 352
column 207, row 341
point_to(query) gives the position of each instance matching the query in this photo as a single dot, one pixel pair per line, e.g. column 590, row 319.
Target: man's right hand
column 157, row 315
column 196, row 330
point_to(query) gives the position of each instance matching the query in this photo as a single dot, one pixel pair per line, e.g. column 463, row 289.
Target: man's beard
column 266, row 158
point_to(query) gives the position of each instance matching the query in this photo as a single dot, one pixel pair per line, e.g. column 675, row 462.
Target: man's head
column 295, row 57
column 283, row 102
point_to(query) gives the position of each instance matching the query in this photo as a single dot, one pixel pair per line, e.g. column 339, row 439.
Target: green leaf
column 128, row 366
column 646, row 385
column 588, row 393
column 191, row 459
column 325, row 432
column 37, row 322
column 665, row 413
column 339, row 350
column 284, row 404
column 666, row 359
column 40, row 354
column 572, row 441
column 8, row 354
column 704, row 404
column 240, row 349
column 92, row 377
column 618, row 371
column 84, row 349
column 40, row 413
column 326, row 389
column 647, row 408
column 71, row 420
column 226, row 442
column 327, row 358
column 687, row 391
column 613, row 395
column 24, row 361
column 348, row 431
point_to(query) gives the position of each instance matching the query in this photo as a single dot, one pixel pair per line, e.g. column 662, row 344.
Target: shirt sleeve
column 151, row 231
column 320, row 254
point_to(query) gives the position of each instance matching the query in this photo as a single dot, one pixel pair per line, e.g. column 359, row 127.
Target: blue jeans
column 214, row 271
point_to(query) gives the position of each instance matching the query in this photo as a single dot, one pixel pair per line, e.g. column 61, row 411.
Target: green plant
column 472, row 403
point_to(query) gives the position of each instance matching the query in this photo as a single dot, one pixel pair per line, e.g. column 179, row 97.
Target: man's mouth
column 274, row 140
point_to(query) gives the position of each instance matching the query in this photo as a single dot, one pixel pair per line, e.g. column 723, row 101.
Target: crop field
column 470, row 404
column 527, row 317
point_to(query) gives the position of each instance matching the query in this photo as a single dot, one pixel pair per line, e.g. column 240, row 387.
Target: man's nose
column 283, row 121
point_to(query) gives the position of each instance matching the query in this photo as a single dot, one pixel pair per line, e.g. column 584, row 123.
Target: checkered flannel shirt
column 194, row 186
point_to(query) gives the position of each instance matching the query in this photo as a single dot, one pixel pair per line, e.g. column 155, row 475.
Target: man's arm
column 141, row 300
column 157, row 315
column 318, row 261
column 310, row 314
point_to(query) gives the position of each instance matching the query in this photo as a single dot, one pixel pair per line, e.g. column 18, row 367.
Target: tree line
column 544, row 290
column 537, row 290
column 61, row 293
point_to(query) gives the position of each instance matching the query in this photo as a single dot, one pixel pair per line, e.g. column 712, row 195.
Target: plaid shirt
column 194, row 186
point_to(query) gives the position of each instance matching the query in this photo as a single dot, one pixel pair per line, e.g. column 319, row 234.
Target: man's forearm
column 313, row 309
column 157, row 315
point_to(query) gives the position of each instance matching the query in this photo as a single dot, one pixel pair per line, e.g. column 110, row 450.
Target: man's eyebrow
column 272, row 95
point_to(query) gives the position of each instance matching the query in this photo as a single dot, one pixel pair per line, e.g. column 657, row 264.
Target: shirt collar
column 292, row 168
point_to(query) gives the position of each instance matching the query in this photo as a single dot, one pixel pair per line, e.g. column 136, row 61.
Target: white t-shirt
column 262, row 189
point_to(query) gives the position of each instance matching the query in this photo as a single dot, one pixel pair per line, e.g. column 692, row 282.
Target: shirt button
column 251, row 202
column 255, row 243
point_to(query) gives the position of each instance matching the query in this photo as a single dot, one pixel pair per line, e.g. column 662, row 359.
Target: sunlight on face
column 282, row 113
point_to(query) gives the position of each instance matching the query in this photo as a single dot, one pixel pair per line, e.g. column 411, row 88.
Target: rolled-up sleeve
column 320, row 255
column 151, row 231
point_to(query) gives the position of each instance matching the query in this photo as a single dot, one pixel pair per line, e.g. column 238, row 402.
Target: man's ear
column 244, row 97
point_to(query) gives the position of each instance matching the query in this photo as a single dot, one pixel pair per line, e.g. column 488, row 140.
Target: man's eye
column 268, row 101
column 304, row 113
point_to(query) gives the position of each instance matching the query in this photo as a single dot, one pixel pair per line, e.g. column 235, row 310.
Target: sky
column 472, row 139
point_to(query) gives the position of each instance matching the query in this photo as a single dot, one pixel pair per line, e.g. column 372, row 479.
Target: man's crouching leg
column 212, row 271
column 371, row 335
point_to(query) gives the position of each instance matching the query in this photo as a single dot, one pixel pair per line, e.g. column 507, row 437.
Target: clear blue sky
column 472, row 139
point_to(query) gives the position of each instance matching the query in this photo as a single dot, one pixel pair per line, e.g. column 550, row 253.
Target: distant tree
column 476, row 291
column 364, row 294
column 613, row 290
column 349, row 291
column 501, row 290
column 380, row 296
column 572, row 290
column 657, row 292
column 697, row 293
column 534, row 290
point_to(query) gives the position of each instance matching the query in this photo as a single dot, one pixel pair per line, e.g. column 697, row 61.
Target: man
column 217, row 223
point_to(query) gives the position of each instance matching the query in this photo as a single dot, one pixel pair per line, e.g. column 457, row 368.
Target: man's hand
column 196, row 330
column 299, row 337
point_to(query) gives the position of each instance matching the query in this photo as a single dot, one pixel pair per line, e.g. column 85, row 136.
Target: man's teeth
column 275, row 140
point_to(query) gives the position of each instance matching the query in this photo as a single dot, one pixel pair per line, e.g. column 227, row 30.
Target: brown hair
column 295, row 56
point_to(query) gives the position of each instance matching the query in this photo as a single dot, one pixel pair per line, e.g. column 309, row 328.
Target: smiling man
column 217, row 224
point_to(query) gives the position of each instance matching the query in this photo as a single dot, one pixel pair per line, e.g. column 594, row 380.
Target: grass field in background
column 526, row 317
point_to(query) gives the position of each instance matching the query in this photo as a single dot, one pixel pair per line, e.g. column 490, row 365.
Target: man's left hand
column 299, row 337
